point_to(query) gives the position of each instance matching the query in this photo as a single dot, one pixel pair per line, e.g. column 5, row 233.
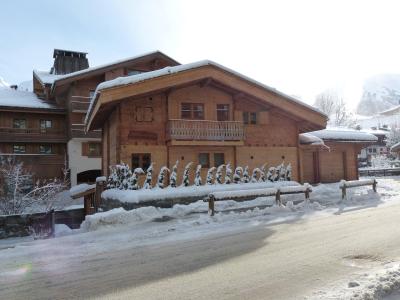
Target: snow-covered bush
column 246, row 176
column 263, row 175
column 228, row 174
column 210, row 175
column 237, row 177
column 271, row 174
column 254, row 176
column 197, row 177
column 160, row 180
column 380, row 162
column 174, row 175
column 218, row 175
column 185, row 179
column 119, row 177
column 281, row 172
column 149, row 177
column 289, row 172
column 133, row 181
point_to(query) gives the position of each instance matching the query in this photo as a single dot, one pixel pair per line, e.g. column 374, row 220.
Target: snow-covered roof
column 344, row 134
column 45, row 77
column 120, row 61
column 395, row 147
column 309, row 139
column 376, row 131
column 390, row 110
column 121, row 81
column 15, row 98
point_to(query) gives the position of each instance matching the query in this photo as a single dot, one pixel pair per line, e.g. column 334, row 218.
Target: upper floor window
column 204, row 160
column 219, row 159
column 19, row 123
column 19, row 148
column 45, row 124
column 45, row 149
column 133, row 72
column 194, row 111
column 249, row 117
column 94, row 149
column 223, row 112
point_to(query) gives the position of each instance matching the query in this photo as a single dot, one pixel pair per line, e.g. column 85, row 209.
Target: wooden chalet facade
column 201, row 113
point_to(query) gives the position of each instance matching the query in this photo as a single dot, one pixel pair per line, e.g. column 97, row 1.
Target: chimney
column 66, row 61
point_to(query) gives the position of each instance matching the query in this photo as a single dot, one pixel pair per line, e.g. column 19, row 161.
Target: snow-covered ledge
column 130, row 199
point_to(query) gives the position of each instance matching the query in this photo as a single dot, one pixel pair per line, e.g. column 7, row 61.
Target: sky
column 299, row 47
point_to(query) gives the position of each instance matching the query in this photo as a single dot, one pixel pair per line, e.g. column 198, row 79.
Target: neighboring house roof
column 344, row 135
column 391, row 111
column 103, row 68
column 309, row 139
column 377, row 131
column 170, row 71
column 395, row 147
column 23, row 99
column 45, row 77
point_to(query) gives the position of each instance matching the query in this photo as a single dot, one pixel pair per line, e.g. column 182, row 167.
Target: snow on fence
column 344, row 185
column 243, row 195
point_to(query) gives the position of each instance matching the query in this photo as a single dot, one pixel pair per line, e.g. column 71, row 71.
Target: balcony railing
column 80, row 106
column 205, row 130
column 78, row 131
column 32, row 134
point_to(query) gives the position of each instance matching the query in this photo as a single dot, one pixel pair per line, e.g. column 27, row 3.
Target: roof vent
column 66, row 61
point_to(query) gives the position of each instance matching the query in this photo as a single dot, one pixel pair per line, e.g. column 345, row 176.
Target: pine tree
column 246, row 176
column 281, row 172
column 124, row 173
column 271, row 174
column 161, row 176
column 185, row 179
column 237, row 177
column 254, row 175
column 210, row 175
column 263, row 177
column 133, row 182
column 112, row 178
column 228, row 174
column 289, row 172
column 174, row 175
column 197, row 178
column 149, row 177
column 218, row 175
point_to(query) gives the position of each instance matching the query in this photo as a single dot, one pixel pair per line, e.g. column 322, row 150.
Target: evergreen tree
column 185, row 179
column 149, row 177
column 210, row 175
column 161, row 176
column 218, row 175
column 125, row 174
column 254, row 175
column 133, row 182
column 112, row 178
column 174, row 175
column 289, row 172
column 246, row 176
column 228, row 174
column 271, row 174
column 263, row 177
column 197, row 178
column 237, row 177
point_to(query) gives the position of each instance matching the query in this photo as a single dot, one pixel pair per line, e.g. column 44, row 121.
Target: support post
column 278, row 197
column 211, row 205
column 374, row 185
column 343, row 191
column 100, row 185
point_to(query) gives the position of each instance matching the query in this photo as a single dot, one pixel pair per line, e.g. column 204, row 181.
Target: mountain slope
column 380, row 93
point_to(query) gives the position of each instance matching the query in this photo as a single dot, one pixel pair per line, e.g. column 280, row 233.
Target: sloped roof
column 169, row 71
column 45, row 77
column 344, row 135
column 23, row 99
column 395, row 147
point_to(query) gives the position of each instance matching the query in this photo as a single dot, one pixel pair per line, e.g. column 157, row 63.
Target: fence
column 379, row 172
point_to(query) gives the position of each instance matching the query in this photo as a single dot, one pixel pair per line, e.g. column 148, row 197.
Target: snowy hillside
column 3, row 83
column 380, row 93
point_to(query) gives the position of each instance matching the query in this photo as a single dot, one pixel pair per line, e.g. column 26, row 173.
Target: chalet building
column 202, row 113
column 150, row 108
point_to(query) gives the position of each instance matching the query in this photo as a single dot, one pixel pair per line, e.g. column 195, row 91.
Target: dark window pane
column 45, row 149
column 135, row 161
column 245, row 117
column 19, row 123
column 204, row 160
column 198, row 111
column 253, row 118
column 19, row 148
column 222, row 112
column 219, row 159
column 146, row 161
column 94, row 149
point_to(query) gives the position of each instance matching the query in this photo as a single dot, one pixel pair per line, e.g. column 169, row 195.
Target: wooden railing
column 38, row 131
column 205, row 130
column 10, row 134
column 78, row 130
column 81, row 106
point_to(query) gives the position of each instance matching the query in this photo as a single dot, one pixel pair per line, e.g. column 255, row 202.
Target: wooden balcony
column 38, row 159
column 205, row 130
column 78, row 131
column 80, row 106
column 9, row 134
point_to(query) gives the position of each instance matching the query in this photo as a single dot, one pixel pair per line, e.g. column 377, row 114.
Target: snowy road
column 305, row 257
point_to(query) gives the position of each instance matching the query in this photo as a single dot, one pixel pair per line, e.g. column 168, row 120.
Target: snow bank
column 61, row 230
column 244, row 193
column 143, row 195
column 80, row 188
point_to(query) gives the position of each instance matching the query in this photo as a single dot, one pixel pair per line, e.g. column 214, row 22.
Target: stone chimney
column 66, row 62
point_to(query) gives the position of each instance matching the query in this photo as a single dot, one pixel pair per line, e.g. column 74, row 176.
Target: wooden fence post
column 343, row 191
column 278, row 197
column 211, row 205
column 100, row 184
column 374, row 185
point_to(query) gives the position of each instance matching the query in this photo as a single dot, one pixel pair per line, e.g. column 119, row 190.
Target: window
column 204, row 160
column 219, row 159
column 94, row 149
column 45, row 124
column 91, row 149
column 45, row 149
column 133, row 72
column 249, row 117
column 374, row 150
column 194, row 111
column 19, row 123
column 370, row 150
column 223, row 112
column 141, row 160
column 19, row 148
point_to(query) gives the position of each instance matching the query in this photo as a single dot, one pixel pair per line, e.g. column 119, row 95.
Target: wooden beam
column 205, row 83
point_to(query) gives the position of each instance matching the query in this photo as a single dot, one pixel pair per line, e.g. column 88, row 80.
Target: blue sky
column 299, row 47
